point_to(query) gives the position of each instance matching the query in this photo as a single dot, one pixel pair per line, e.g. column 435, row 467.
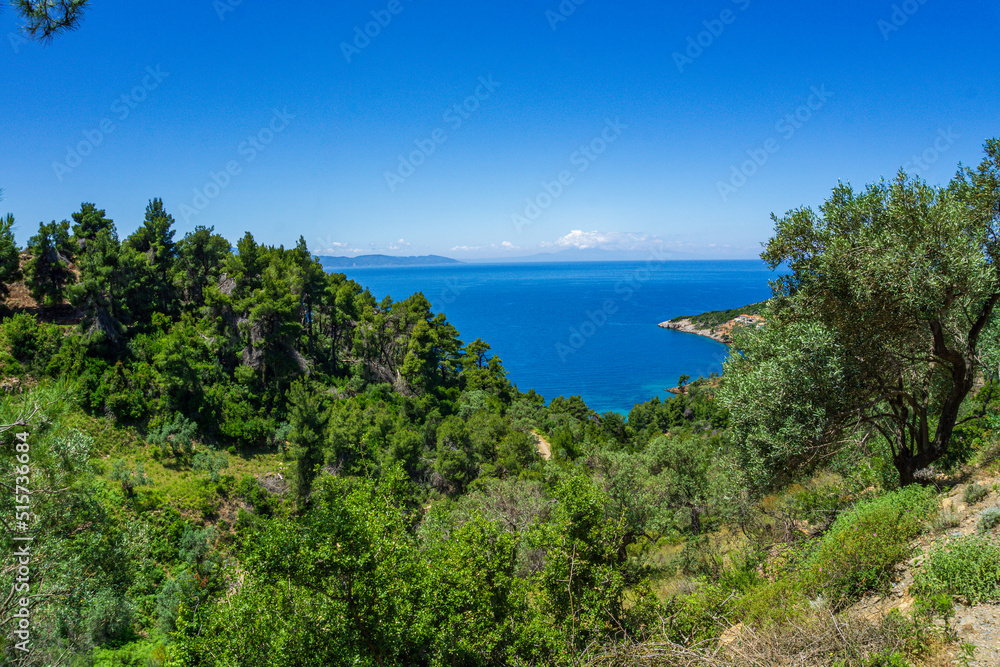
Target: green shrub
column 774, row 602
column 859, row 552
column 210, row 462
column 967, row 568
column 174, row 437
column 974, row 493
column 129, row 478
column 32, row 343
column 944, row 521
column 702, row 615
column 989, row 520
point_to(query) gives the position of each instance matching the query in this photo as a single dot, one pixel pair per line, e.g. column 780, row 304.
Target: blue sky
column 618, row 125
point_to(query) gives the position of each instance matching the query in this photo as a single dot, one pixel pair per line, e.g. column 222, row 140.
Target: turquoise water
column 584, row 328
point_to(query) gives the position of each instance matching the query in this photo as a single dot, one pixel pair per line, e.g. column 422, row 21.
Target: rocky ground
column 978, row 625
column 720, row 333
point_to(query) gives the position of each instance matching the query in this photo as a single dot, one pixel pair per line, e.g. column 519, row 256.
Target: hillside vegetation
column 238, row 459
column 714, row 318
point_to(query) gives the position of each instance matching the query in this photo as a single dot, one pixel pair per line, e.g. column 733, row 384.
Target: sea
column 584, row 328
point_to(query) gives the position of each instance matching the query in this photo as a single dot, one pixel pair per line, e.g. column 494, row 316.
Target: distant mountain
column 362, row 261
column 593, row 255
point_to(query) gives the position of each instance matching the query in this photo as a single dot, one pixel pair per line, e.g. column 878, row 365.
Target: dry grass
column 820, row 639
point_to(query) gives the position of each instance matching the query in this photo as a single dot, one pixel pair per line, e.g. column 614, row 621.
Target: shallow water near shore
column 584, row 328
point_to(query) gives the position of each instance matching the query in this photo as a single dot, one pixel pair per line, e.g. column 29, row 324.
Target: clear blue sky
column 677, row 126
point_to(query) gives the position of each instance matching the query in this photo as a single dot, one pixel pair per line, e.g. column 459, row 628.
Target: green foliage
column 175, row 437
column 780, row 392
column 10, row 264
column 859, row 552
column 89, row 221
column 200, row 257
column 714, row 318
column 32, row 343
column 128, row 477
column 945, row 520
column 967, row 568
column 974, row 493
column 916, row 300
column 583, row 581
column 697, row 617
column 210, row 462
column 48, row 271
column 307, row 419
column 989, row 520
column 83, row 561
column 45, row 20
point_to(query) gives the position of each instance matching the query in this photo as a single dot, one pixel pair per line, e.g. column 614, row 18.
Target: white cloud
column 466, row 248
column 605, row 241
column 329, row 246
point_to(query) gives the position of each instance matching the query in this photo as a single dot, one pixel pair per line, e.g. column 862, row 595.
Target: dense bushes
column 967, row 568
column 859, row 552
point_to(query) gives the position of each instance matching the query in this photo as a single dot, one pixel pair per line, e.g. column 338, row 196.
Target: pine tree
column 48, row 18
column 308, row 416
column 155, row 240
column 102, row 278
column 89, row 221
column 200, row 257
column 10, row 265
column 48, row 269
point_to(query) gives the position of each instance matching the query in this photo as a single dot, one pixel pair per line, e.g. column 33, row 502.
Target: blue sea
column 586, row 328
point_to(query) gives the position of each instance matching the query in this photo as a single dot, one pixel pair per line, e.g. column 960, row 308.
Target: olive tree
column 877, row 327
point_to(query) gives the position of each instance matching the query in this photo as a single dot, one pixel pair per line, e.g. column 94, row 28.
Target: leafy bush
column 210, row 462
column 967, row 568
column 989, row 520
column 974, row 493
column 859, row 552
column 174, row 437
column 129, row 478
column 702, row 615
column 945, row 520
column 32, row 343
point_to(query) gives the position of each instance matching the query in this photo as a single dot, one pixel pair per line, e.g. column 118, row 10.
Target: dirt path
column 544, row 448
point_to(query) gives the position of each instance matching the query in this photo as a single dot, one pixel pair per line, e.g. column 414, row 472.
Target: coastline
column 687, row 326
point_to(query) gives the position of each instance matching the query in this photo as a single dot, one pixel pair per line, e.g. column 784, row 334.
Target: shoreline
column 687, row 326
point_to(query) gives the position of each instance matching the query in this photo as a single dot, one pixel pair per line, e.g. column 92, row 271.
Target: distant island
column 718, row 324
column 364, row 261
column 587, row 255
